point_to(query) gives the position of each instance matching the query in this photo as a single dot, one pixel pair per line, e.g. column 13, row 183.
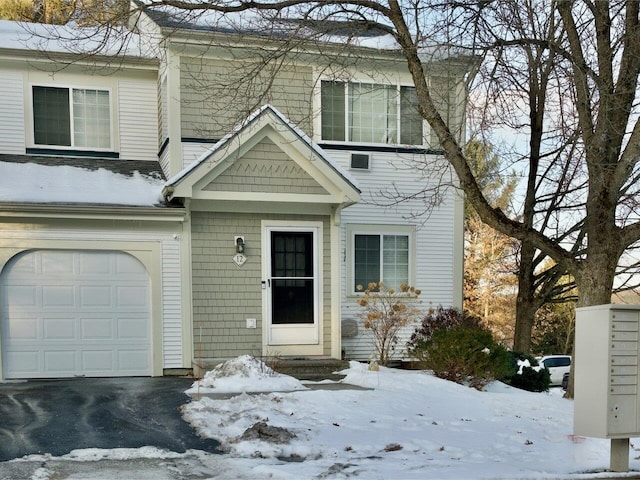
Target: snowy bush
column 526, row 375
column 467, row 355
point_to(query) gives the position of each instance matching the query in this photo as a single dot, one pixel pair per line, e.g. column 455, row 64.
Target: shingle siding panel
column 215, row 97
column 224, row 295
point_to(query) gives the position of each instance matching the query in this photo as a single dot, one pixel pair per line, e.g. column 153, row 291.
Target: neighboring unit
column 203, row 198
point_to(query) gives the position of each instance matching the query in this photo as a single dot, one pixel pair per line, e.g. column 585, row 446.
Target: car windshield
column 557, row 362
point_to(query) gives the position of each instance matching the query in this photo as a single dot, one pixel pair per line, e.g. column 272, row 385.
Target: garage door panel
column 21, row 296
column 97, row 329
column 27, row 362
column 70, row 313
column 58, row 296
column 56, row 262
column 96, row 297
column 129, row 265
column 92, row 265
column 55, row 329
column 133, row 361
column 131, row 296
column 131, row 328
column 60, row 362
column 97, row 361
column 22, row 328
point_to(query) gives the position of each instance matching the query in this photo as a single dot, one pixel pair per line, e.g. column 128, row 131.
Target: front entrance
column 292, row 284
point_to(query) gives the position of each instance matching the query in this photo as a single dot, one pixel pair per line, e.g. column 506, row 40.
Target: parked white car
column 557, row 365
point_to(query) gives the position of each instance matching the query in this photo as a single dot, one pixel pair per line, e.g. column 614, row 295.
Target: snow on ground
column 411, row 425
column 244, row 374
column 405, row 425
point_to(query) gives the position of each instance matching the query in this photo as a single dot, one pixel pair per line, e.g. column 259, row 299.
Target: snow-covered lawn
column 406, row 425
column 411, row 425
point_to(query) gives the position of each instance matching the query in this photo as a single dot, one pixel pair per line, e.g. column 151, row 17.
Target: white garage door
column 68, row 313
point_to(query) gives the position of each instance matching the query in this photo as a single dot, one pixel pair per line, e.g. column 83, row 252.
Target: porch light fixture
column 239, row 244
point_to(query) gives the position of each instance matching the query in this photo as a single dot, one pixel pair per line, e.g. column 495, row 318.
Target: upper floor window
column 71, row 117
column 370, row 113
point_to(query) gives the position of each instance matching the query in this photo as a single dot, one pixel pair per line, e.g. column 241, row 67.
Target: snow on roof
column 287, row 23
column 253, row 117
column 71, row 39
column 281, row 24
column 34, row 183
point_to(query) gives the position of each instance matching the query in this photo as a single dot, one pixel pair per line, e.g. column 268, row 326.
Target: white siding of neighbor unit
column 171, row 305
column 434, row 255
column 192, row 151
column 12, row 126
column 171, row 295
column 138, row 112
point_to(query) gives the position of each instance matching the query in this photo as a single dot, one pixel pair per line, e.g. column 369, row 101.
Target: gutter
column 102, row 212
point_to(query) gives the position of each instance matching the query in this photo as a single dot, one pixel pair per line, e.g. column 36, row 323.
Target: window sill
column 72, row 153
column 341, row 146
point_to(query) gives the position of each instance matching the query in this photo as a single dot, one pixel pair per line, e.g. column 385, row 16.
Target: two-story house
column 223, row 194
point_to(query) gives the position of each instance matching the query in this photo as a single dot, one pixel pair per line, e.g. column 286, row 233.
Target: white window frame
column 398, row 86
column 73, row 145
column 370, row 229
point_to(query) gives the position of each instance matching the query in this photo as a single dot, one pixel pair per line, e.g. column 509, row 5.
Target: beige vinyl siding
column 215, row 97
column 266, row 168
column 225, row 295
column 138, row 115
column 435, row 249
column 12, row 123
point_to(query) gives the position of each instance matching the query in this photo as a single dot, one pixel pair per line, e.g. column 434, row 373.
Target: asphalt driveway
column 57, row 416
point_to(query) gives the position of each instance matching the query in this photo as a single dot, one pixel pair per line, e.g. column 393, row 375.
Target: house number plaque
column 239, row 259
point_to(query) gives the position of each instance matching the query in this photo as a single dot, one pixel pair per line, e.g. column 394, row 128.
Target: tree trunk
column 594, row 283
column 526, row 305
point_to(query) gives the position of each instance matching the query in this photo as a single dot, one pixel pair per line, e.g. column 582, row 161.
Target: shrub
column 528, row 377
column 466, row 354
column 438, row 319
column 385, row 312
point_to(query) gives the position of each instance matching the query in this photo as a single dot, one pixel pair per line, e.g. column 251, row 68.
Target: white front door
column 292, row 285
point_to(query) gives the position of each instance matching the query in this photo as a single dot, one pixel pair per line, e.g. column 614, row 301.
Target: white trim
column 312, row 343
column 354, row 229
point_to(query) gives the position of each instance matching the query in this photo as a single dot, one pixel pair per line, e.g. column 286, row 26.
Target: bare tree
column 592, row 182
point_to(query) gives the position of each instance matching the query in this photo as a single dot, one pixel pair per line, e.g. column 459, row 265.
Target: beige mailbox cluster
column 606, row 401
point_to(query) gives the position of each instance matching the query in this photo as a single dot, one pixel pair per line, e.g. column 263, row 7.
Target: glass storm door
column 292, row 287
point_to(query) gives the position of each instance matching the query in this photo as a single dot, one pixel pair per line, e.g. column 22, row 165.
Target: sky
column 402, row 425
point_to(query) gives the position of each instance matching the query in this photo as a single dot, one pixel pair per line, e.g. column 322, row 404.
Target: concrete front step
column 315, row 369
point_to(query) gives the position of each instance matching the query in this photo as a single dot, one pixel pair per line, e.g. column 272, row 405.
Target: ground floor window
column 380, row 252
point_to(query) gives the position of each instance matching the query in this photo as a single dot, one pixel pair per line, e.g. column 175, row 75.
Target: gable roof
column 271, row 24
column 340, row 187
